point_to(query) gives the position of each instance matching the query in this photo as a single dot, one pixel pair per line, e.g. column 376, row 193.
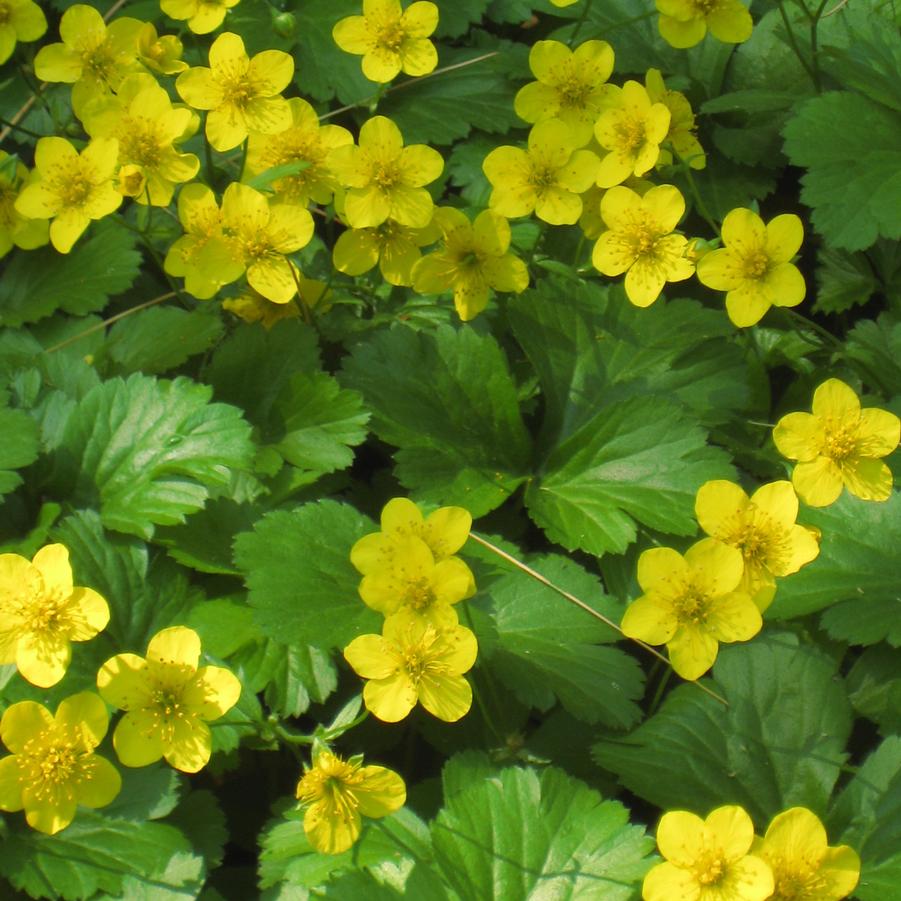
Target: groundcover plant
column 447, row 450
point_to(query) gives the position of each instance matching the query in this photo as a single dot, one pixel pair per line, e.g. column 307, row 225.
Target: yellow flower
column 53, row 768
column 445, row 531
column 683, row 23
column 260, row 233
column 563, row 3
column 389, row 39
column 394, row 247
column 304, row 141
column 804, row 867
column 386, row 180
column 71, row 188
column 338, row 791
column 93, row 57
column 251, row 306
column 570, row 87
column 160, row 54
column 16, row 229
column 639, row 241
column 241, row 94
column 202, row 256
column 203, row 16
column 473, row 261
column 41, row 612
column 838, row 445
column 20, row 20
column 691, row 603
column 753, row 266
column 168, row 701
column 631, row 129
column 546, row 178
column 707, row 860
column 412, row 661
column 762, row 527
column 681, row 134
column 141, row 118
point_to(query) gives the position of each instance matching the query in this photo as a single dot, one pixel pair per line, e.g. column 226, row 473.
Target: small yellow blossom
column 42, row 612
column 691, row 603
column 571, row 86
column 241, row 94
column 260, row 233
column 20, row 20
column 53, row 767
column 413, row 661
column 202, row 256
column 338, row 792
column 630, row 129
column 683, row 23
column 161, row 54
column 707, row 860
column 804, row 867
column 168, row 701
column 202, row 16
column 548, row 177
column 251, row 306
column 563, row 3
column 93, row 57
column 754, row 265
column 639, row 241
column 389, row 39
column 682, row 134
column 386, row 180
column 762, row 527
column 16, row 229
column 394, row 247
column 445, row 531
column 306, row 142
column 474, row 261
column 838, row 445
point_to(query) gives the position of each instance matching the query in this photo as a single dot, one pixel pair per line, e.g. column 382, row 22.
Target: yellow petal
column 743, row 230
column 420, row 19
column 67, row 228
column 716, row 565
column 649, row 620
column 352, row 35
column 189, row 750
column 868, row 479
column 85, row 714
column 785, row 286
column 751, row 876
column 666, row 882
column 644, row 281
column 381, row 136
column 660, row 564
column 271, row 71
column 123, row 682
column 447, row 697
column 546, row 59
column 666, row 205
column 367, row 207
column 681, row 835
column 390, row 699
column 329, row 833
column 819, row 482
column 682, row 35
column 79, row 22
column 418, row 56
column 88, row 613
column 840, row 871
column 10, row 784
column 692, row 652
column 58, row 63
column 733, row 617
column 878, row 433
column 199, row 89
column 730, row 22
column 100, row 783
column 272, row 278
column 794, row 834
column 748, row 304
column 779, row 501
column 212, row 692
column 837, row 400
column 447, row 529
column 137, row 739
column 370, row 657
column 799, row 436
column 720, row 501
column 536, row 101
column 356, row 251
column 784, row 236
column 21, row 722
column 43, row 659
column 558, row 207
column 175, row 646
column 381, row 792
column 48, row 813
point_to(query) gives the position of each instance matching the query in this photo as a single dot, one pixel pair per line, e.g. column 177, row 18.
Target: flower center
column 99, row 63
column 138, row 143
column 797, row 880
column 705, row 7
column 237, row 88
column 643, row 239
column 419, row 594
column 391, row 35
column 762, row 541
column 840, row 441
column 710, row 869
column 386, row 175
column 691, row 606
column 630, row 134
column 574, row 92
column 50, row 761
column 542, row 177
column 419, row 659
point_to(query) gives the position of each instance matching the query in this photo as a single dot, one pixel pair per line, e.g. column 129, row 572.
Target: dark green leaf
column 18, row 446
column 874, row 686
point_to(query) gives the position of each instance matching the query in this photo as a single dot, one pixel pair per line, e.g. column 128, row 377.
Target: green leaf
column 874, row 687
column 150, row 451
column 299, row 677
column 856, row 570
column 202, row 820
column 447, row 400
column 547, row 648
column 724, row 185
column 853, row 178
column 306, row 604
column 148, row 793
column 875, row 348
column 455, row 16
column 522, row 834
column 225, row 626
column 37, row 283
column 844, row 280
column 778, row 744
column 18, row 448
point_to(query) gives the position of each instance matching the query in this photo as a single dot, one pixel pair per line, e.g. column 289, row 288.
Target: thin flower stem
column 699, row 202
column 290, row 737
column 585, row 10
column 583, row 606
column 802, row 321
column 301, row 303
column 796, row 49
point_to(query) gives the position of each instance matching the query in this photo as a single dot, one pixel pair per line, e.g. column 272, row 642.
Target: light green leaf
column 844, row 280
column 202, row 820
column 778, row 744
column 224, row 625
column 874, row 347
column 148, row 793
column 522, row 834
column 18, row 447
column 447, row 400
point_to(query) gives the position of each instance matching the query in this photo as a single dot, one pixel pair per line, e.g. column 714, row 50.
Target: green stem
column 814, row 44
column 292, row 738
column 802, row 321
column 207, row 155
column 337, row 733
column 796, row 49
column 699, row 203
column 586, row 8
column 661, row 687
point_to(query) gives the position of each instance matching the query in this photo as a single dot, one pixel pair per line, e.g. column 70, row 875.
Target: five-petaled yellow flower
column 762, row 527
column 804, row 867
column 20, row 20
column 202, row 16
column 389, row 39
column 639, row 241
column 681, row 135
column 42, row 612
column 571, row 86
column 338, row 792
column 394, row 247
column 167, row 700
column 547, row 177
column 754, row 265
column 16, row 229
column 413, row 661
column 691, row 603
column 71, row 188
column 474, row 261
column 241, row 94
column 160, row 54
column 707, row 860
column 53, row 767
column 630, row 129
column 837, row 445
column 683, row 23
column 386, row 180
